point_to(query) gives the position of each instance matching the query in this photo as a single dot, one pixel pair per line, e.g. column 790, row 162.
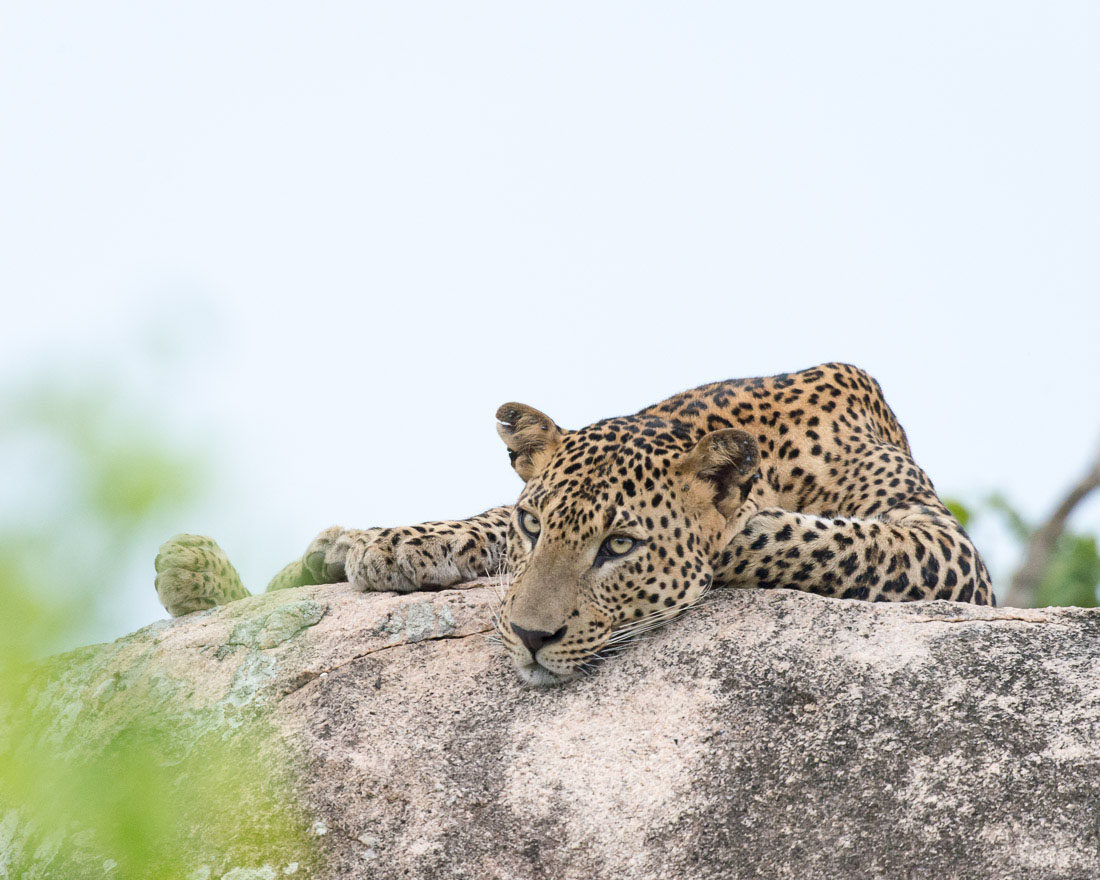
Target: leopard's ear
column 722, row 466
column 531, row 437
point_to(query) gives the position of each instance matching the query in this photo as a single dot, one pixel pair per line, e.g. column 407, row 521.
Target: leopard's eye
column 530, row 524
column 617, row 545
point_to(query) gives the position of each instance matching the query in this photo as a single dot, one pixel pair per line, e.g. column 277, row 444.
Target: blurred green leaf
column 959, row 510
column 132, row 803
column 1073, row 573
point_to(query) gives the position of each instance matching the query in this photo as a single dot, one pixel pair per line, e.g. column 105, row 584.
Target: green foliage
column 139, row 799
column 101, row 480
column 1073, row 574
column 136, row 799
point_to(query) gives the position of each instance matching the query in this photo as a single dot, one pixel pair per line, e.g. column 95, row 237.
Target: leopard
column 799, row 481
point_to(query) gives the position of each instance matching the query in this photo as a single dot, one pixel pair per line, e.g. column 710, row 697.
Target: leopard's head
column 618, row 529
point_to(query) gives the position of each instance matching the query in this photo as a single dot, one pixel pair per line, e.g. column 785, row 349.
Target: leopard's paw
column 194, row 573
column 404, row 560
column 325, row 558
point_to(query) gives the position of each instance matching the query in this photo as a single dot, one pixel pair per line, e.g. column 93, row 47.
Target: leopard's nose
column 534, row 639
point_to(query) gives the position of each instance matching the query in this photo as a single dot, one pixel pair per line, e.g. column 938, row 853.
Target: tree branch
column 1040, row 547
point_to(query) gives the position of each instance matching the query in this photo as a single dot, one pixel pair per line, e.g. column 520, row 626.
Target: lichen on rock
column 273, row 628
column 418, row 621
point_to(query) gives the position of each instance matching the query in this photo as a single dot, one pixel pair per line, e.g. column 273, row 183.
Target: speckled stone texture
column 764, row 735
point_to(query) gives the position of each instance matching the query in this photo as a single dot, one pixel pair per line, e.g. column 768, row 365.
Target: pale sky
column 367, row 225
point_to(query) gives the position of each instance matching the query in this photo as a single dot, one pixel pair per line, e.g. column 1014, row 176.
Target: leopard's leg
column 433, row 554
column 404, row 559
column 194, row 573
column 911, row 552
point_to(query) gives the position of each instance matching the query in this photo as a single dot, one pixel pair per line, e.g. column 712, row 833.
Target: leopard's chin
column 537, row 675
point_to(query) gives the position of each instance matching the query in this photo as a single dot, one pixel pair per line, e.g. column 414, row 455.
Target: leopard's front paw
column 404, row 560
column 325, row 557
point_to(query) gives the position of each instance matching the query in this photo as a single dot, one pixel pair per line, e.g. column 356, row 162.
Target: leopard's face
column 615, row 532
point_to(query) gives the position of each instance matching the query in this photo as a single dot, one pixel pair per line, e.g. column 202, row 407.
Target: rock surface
column 765, row 734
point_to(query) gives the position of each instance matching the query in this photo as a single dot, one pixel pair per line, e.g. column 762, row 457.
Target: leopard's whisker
column 651, row 621
column 644, row 624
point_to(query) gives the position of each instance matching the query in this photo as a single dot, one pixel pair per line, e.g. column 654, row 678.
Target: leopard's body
column 802, row 481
